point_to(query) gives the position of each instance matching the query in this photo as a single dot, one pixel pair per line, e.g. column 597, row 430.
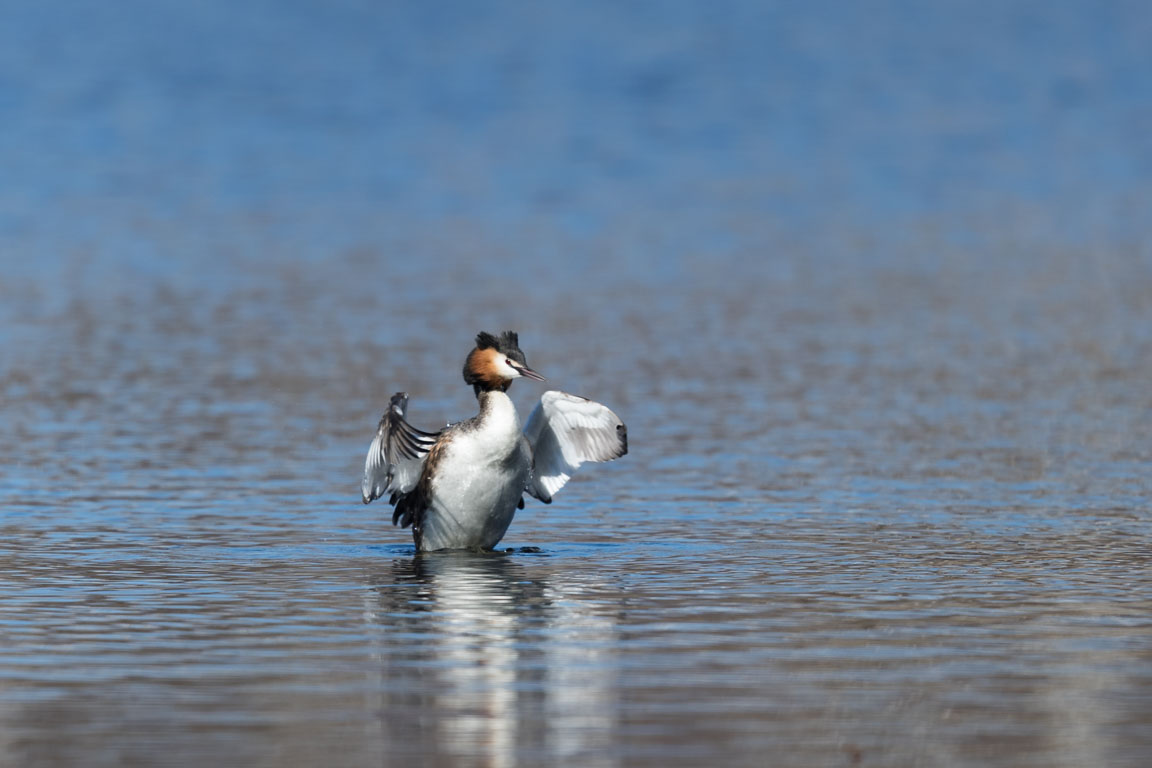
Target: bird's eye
column 509, row 361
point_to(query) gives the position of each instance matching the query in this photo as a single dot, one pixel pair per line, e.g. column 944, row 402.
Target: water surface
column 874, row 300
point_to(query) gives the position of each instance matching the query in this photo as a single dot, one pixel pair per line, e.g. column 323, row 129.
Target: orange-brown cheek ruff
column 482, row 370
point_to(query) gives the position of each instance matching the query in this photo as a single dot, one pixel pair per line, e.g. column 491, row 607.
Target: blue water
column 869, row 284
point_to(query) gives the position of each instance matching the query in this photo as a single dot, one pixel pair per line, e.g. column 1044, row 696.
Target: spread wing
column 565, row 431
column 396, row 456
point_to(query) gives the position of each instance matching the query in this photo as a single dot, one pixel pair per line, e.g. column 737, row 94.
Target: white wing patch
column 565, row 431
column 396, row 456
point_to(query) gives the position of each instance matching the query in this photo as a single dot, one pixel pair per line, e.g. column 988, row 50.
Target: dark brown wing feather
column 396, row 457
column 411, row 506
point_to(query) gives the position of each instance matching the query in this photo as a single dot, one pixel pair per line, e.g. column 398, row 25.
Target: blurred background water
column 871, row 285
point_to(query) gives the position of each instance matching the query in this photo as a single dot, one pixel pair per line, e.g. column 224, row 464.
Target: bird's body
column 460, row 488
column 478, row 477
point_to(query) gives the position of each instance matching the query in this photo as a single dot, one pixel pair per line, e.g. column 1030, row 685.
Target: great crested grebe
column 460, row 487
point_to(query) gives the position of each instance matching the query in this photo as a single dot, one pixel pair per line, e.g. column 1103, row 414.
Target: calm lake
column 872, row 289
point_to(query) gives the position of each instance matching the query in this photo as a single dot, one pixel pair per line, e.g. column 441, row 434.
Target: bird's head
column 495, row 362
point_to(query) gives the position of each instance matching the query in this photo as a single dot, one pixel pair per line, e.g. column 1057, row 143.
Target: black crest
column 507, row 343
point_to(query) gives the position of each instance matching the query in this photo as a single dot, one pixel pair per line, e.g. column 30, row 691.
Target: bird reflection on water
column 470, row 643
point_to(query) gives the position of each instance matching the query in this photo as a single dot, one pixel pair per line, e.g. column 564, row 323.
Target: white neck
column 497, row 413
column 496, row 432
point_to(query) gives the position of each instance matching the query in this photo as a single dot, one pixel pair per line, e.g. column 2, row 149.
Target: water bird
column 459, row 488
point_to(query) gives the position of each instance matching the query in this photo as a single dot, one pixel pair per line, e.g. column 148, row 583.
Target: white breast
column 479, row 480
